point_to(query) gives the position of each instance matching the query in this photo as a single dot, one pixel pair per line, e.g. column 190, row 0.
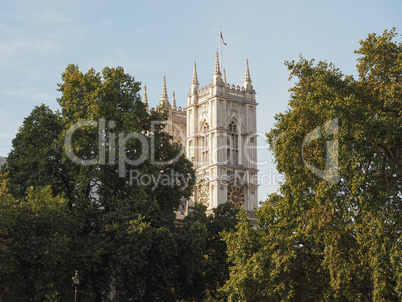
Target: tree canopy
column 35, row 238
column 68, row 202
column 334, row 232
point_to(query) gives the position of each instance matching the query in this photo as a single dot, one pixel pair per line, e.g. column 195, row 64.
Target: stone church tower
column 218, row 131
column 221, row 140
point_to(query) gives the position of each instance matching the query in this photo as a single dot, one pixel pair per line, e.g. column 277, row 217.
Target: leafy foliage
column 36, row 158
column 35, row 239
column 321, row 240
column 121, row 235
column 204, row 265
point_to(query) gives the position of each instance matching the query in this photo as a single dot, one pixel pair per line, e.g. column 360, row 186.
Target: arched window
column 233, row 144
column 205, row 145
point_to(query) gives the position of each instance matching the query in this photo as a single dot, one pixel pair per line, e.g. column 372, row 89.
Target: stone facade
column 218, row 131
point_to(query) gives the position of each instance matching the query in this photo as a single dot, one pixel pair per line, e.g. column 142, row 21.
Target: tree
column 335, row 230
column 203, row 263
column 36, row 157
column 35, row 238
column 216, row 271
column 130, row 222
column 112, row 98
column 144, row 256
column 124, row 230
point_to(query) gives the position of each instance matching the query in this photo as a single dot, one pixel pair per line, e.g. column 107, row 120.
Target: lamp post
column 76, row 282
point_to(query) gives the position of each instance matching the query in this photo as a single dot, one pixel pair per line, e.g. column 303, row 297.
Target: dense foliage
column 68, row 202
column 35, row 239
column 334, row 233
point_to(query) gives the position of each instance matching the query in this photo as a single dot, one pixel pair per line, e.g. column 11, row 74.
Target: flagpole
column 220, row 45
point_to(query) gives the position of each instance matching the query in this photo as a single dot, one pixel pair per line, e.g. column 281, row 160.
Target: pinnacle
column 247, row 73
column 164, row 96
column 195, row 78
column 145, row 96
column 164, row 92
column 217, row 69
column 174, row 101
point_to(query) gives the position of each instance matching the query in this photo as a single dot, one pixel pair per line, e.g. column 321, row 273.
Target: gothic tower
column 221, row 140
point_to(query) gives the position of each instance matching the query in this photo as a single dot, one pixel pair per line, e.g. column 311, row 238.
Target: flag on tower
column 222, row 39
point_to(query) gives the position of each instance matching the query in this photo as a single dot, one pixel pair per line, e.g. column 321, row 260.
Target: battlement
column 229, row 91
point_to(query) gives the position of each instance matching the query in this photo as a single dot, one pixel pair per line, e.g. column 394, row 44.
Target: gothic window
column 233, row 144
column 205, row 145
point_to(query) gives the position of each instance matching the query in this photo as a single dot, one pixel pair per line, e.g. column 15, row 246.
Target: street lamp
column 76, row 282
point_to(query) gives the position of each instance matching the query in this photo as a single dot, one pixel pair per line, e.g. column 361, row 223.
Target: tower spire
column 164, row 96
column 195, row 78
column 247, row 79
column 247, row 72
column 217, row 76
column 217, row 69
column 164, row 92
column 224, row 76
column 145, row 96
column 174, row 101
column 194, row 82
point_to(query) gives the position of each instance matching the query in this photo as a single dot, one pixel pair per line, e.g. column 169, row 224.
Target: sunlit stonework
column 218, row 131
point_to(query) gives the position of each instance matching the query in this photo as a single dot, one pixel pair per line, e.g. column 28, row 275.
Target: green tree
column 143, row 262
column 216, row 271
column 202, row 259
column 36, row 157
column 334, row 231
column 125, row 230
column 129, row 223
column 113, row 97
column 35, row 238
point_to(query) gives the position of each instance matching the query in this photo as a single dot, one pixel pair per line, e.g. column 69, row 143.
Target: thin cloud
column 13, row 93
column 44, row 97
column 4, row 29
column 51, row 16
column 8, row 49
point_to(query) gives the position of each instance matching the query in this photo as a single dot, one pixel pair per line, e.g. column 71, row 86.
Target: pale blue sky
column 38, row 39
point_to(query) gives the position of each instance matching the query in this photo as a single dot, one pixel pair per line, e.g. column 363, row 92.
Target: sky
column 38, row 39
